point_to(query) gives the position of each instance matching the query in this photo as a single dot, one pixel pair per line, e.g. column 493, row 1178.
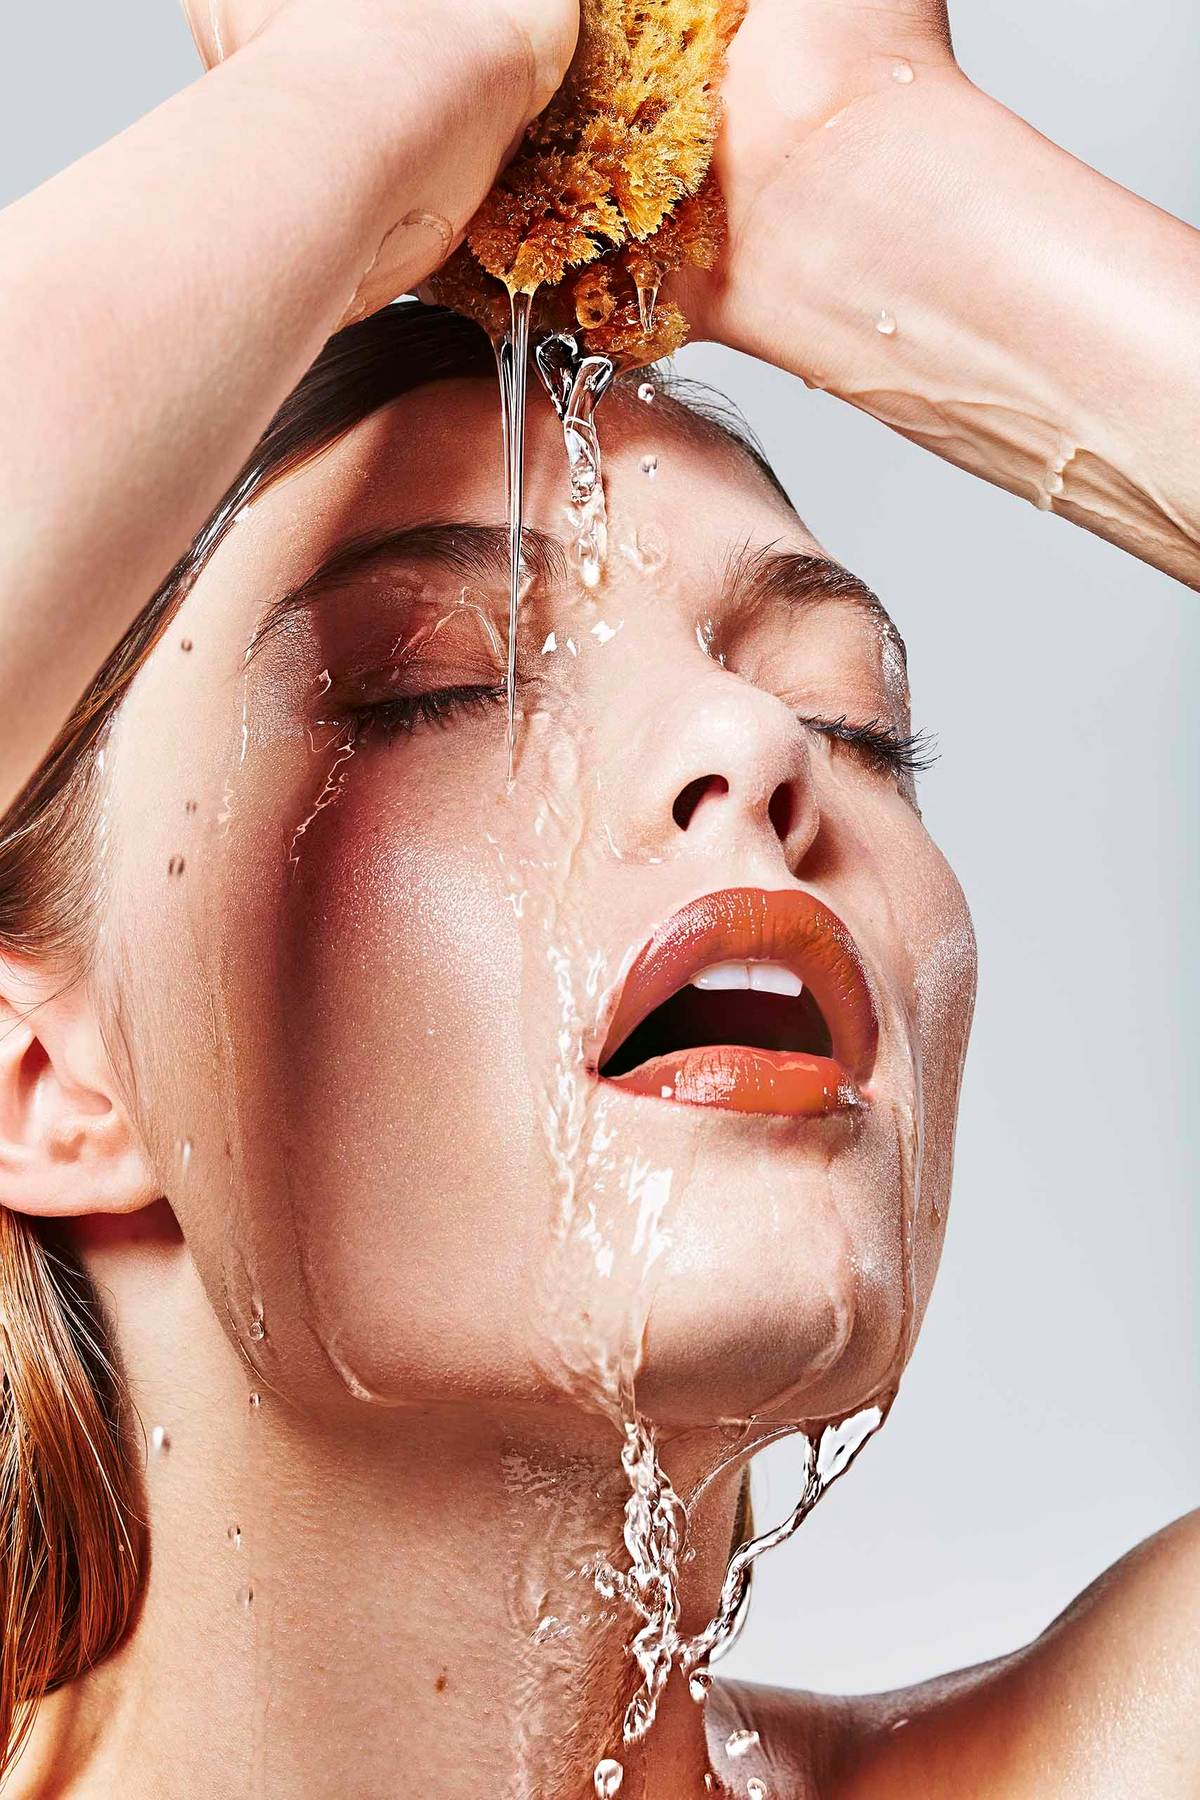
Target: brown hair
column 72, row 1537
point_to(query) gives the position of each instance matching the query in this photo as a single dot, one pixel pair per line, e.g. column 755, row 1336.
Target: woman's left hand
column 797, row 71
column 904, row 241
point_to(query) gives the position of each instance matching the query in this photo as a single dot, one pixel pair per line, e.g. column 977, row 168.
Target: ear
column 67, row 1145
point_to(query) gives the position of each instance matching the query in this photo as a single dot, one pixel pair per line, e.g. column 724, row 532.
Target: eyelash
column 899, row 753
column 406, row 712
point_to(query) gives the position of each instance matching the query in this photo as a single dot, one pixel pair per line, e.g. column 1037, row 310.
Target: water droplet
column 903, row 73
column 324, row 681
column 184, row 1149
column 756, row 1789
column 607, row 1777
column 234, row 1534
column 647, row 299
column 710, row 1784
column 740, row 1743
column 700, row 1681
column 649, row 549
column 246, row 1597
column 185, row 644
column 550, row 645
column 255, row 1401
column 885, row 324
column 649, row 466
column 646, row 393
column 603, row 632
column 899, row 1725
column 257, row 1328
column 160, row 1441
column 175, row 866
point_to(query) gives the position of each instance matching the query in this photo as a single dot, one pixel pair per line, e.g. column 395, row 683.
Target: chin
column 801, row 1329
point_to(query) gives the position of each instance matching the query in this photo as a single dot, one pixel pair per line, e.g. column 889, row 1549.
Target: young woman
column 378, row 1140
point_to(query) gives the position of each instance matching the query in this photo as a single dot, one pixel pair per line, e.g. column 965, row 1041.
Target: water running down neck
column 654, row 1533
column 655, row 1517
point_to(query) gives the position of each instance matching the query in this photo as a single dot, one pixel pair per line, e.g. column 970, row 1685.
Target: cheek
column 323, row 1007
column 944, row 974
column 913, row 913
column 405, row 1105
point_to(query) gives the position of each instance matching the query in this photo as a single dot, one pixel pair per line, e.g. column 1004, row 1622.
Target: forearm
column 161, row 297
column 1045, row 319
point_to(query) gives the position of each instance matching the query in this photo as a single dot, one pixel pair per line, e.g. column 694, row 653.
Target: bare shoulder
column 1104, row 1704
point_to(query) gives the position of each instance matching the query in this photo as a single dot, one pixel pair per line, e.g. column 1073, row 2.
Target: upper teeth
column 764, row 977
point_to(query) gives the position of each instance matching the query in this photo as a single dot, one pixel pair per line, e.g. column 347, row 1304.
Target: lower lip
column 738, row 1078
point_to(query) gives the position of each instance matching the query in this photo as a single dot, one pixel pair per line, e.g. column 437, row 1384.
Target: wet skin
column 392, row 946
column 373, row 1000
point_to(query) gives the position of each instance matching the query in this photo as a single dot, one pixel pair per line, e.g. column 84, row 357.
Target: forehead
column 436, row 454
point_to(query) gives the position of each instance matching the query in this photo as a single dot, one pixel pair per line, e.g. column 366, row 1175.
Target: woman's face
column 375, row 1003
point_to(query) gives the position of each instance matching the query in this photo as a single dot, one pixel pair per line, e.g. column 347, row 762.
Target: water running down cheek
column 617, row 1166
column 785, row 939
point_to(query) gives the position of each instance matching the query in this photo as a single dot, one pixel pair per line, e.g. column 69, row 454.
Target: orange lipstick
column 750, row 1000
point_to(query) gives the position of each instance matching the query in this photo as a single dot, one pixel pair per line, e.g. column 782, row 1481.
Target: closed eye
column 901, row 753
column 403, row 713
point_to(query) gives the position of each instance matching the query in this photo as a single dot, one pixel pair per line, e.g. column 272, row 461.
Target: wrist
column 946, row 268
column 422, row 103
column 854, row 200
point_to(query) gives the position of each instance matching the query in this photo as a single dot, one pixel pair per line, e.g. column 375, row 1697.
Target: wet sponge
column 610, row 191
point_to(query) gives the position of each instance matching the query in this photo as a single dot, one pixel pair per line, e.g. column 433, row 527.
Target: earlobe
column 67, row 1145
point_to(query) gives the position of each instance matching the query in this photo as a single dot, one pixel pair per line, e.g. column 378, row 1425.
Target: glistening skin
column 375, row 999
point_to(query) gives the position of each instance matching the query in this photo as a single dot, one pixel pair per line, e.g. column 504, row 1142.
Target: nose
column 725, row 768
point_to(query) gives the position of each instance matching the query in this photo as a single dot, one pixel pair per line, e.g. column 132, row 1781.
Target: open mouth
column 749, row 1000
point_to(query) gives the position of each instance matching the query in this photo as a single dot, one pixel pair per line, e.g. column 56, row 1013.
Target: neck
column 400, row 1600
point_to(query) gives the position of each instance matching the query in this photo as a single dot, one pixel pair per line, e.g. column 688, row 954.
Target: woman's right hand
column 546, row 29
column 504, row 59
column 322, row 170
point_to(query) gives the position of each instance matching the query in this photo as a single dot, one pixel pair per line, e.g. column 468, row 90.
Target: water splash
column 653, row 1533
column 576, row 384
column 825, row 1461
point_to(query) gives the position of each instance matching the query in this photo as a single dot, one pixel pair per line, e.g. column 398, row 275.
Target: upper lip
column 746, row 924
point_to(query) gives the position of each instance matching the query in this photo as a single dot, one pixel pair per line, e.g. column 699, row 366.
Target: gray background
column 1049, row 1419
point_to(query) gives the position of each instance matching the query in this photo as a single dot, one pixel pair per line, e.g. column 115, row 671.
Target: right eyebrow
column 471, row 552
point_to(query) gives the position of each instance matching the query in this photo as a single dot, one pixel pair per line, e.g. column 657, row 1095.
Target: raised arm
column 161, row 297
column 906, row 242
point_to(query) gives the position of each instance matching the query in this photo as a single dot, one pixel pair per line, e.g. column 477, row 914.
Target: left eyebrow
column 471, row 552
column 800, row 579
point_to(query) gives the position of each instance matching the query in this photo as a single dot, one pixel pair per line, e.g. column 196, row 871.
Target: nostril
column 781, row 810
column 688, row 798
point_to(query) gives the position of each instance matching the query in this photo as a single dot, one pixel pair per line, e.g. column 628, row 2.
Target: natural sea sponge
column 611, row 190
